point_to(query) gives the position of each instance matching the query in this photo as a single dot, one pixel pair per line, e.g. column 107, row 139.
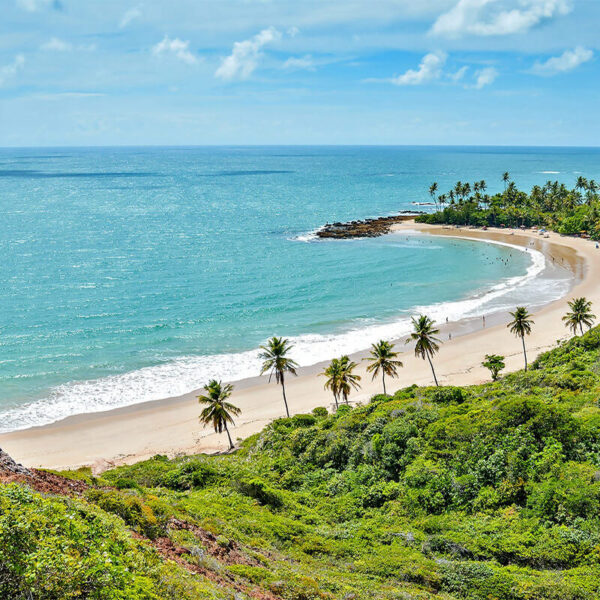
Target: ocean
column 134, row 274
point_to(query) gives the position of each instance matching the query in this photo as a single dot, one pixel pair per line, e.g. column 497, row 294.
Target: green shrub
column 446, row 395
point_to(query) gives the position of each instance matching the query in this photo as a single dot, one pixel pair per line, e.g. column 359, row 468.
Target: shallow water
column 135, row 274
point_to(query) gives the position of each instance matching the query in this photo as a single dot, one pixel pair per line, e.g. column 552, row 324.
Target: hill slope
column 488, row 492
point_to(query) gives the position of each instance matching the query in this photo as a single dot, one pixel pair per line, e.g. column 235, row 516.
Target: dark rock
column 8, row 465
column 363, row 229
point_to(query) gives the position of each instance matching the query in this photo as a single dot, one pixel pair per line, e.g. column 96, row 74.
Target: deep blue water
column 131, row 274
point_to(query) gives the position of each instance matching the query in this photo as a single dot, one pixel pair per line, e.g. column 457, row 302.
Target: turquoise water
column 134, row 274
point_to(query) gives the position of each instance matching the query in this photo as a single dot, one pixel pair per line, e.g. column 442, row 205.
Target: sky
column 201, row 72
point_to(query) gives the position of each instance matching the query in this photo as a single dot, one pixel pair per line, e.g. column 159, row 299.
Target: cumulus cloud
column 130, row 15
column 431, row 68
column 176, row 47
column 245, row 56
column 567, row 61
column 10, row 70
column 497, row 17
column 56, row 45
column 485, row 77
column 300, row 63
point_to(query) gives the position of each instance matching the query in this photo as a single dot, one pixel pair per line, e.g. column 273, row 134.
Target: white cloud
column 56, row 45
column 430, row 68
column 567, row 61
column 33, row 5
column 459, row 74
column 130, row 15
column 497, row 17
column 485, row 77
column 62, row 95
column 177, row 47
column 10, row 70
column 300, row 63
column 293, row 32
column 244, row 57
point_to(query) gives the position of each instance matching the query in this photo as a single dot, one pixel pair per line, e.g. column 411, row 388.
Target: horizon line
column 99, row 146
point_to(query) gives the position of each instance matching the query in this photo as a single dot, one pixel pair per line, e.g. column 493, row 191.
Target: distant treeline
column 554, row 206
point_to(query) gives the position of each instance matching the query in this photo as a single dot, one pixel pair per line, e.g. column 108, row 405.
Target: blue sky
column 183, row 72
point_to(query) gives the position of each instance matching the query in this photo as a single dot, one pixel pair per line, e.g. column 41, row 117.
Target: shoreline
column 170, row 426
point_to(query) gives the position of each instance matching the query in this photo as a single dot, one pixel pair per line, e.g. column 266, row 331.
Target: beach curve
column 170, row 426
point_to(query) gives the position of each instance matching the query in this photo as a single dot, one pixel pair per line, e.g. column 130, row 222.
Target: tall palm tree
column 218, row 411
column 505, row 178
column 275, row 360
column 433, row 188
column 521, row 326
column 383, row 358
column 579, row 315
column 426, row 343
column 347, row 378
column 333, row 372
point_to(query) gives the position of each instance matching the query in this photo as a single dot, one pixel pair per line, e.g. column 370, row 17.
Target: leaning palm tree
column 505, row 178
column 521, row 326
column 433, row 188
column 275, row 360
column 579, row 315
column 333, row 372
column 383, row 358
column 347, row 379
column 426, row 343
column 218, row 411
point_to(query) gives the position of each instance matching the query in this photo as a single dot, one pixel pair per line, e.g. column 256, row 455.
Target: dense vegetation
column 568, row 211
column 486, row 492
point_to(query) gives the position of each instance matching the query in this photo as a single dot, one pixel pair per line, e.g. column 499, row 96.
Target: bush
column 259, row 490
column 446, row 395
column 131, row 509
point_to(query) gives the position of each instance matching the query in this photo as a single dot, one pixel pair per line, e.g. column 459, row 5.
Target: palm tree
column 433, row 188
column 218, row 412
column 495, row 363
column 347, row 378
column 275, row 360
column 521, row 326
column 580, row 315
column 332, row 372
column 505, row 178
column 383, row 359
column 426, row 342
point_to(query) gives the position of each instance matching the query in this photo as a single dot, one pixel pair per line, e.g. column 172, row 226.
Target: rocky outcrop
column 8, row 465
column 365, row 228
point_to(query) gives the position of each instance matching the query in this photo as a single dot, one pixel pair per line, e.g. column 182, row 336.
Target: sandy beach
column 170, row 426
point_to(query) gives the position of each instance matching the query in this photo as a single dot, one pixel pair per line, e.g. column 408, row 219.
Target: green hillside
column 486, row 492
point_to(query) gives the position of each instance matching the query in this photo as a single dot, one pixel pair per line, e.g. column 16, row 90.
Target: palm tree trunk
column 524, row 351
column 433, row 370
column 229, row 436
column 383, row 378
column 287, row 410
column 581, row 327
